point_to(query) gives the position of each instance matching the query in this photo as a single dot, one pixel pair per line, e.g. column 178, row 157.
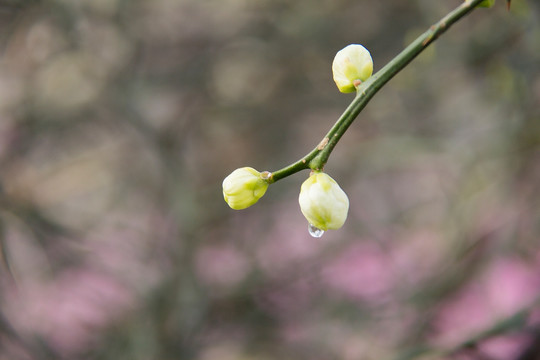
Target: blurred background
column 119, row 120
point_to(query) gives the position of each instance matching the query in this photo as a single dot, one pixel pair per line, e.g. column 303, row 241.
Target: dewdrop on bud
column 244, row 187
column 323, row 203
column 352, row 66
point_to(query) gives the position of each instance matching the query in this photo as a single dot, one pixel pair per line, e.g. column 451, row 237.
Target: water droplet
column 315, row 231
column 266, row 175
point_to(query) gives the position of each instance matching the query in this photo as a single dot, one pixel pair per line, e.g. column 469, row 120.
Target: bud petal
column 352, row 65
column 243, row 188
column 323, row 202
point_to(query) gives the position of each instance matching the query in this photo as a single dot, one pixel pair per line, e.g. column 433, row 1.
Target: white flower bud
column 352, row 66
column 323, row 202
column 243, row 188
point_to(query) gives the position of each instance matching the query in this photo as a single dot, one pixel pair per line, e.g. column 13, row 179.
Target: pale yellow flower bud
column 323, row 202
column 243, row 188
column 352, row 66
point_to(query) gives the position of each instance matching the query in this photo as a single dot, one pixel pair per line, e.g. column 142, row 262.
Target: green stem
column 318, row 157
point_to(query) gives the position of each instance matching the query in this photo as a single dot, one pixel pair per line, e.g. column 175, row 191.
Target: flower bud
column 323, row 202
column 243, row 188
column 352, row 65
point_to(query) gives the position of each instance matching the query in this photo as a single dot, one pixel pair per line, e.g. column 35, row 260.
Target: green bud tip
column 485, row 3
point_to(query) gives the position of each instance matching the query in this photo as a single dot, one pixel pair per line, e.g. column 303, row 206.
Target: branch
column 318, row 157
